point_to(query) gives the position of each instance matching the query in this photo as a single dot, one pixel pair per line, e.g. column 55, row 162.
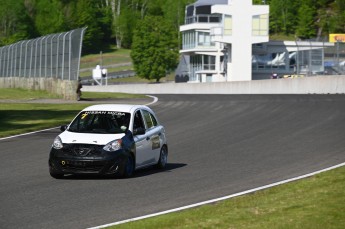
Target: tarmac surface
column 218, row 145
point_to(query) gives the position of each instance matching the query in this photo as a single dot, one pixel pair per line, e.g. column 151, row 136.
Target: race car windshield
column 101, row 122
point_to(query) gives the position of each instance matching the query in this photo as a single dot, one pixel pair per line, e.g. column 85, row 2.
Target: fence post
column 46, row 56
column 57, row 55
column 63, row 55
column 8, row 61
column 70, row 54
column 15, row 60
column 1, row 61
column 80, row 48
column 35, row 63
column 51, row 56
column 20, row 59
column 40, row 67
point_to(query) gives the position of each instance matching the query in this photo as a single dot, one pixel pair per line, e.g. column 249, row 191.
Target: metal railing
column 51, row 56
column 203, row 18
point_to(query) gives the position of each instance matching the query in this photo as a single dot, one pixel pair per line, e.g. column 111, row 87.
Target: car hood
column 83, row 138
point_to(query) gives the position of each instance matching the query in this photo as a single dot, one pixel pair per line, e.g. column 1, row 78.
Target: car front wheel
column 128, row 167
column 55, row 174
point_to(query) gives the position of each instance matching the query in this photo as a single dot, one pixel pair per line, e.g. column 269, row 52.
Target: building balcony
column 203, row 18
column 199, row 48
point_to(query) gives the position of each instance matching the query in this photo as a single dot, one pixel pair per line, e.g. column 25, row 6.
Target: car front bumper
column 85, row 159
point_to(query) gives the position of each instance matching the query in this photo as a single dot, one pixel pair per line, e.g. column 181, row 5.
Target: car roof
column 115, row 107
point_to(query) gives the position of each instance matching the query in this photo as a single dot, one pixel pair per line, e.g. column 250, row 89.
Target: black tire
column 128, row 167
column 163, row 158
column 55, row 174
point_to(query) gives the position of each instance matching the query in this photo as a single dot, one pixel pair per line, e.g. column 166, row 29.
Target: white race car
column 109, row 140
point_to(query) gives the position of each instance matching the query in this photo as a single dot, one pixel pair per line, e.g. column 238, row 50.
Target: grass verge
column 23, row 94
column 22, row 118
column 18, row 118
column 111, row 95
column 109, row 57
column 316, row 202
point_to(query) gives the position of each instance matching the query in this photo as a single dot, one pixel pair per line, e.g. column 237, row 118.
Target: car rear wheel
column 163, row 158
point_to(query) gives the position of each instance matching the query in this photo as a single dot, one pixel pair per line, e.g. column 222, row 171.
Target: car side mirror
column 63, row 128
column 139, row 131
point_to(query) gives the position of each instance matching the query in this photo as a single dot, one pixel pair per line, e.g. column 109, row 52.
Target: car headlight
column 57, row 144
column 113, row 146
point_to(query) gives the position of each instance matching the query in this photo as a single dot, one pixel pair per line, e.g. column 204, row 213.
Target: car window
column 138, row 121
column 100, row 122
column 154, row 120
column 150, row 119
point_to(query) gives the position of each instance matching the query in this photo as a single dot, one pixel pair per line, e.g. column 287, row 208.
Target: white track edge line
column 219, row 199
column 155, row 99
column 34, row 132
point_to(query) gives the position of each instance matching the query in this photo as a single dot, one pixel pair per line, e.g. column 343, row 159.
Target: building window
column 260, row 25
column 228, row 25
column 192, row 39
column 204, row 39
column 209, row 62
column 189, row 40
column 203, row 62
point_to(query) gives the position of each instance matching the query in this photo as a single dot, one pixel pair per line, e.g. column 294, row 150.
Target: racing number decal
column 156, row 144
column 83, row 115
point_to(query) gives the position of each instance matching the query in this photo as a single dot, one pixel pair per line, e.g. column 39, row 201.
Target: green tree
column 306, row 27
column 324, row 13
column 283, row 16
column 87, row 14
column 339, row 16
column 154, row 49
column 15, row 23
column 49, row 17
column 174, row 12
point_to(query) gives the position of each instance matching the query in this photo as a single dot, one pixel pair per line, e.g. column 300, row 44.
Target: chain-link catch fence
column 51, row 56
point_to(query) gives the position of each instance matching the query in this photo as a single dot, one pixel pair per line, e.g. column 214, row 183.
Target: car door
column 142, row 142
column 153, row 134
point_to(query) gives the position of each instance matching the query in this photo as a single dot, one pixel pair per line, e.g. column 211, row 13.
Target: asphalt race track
column 218, row 145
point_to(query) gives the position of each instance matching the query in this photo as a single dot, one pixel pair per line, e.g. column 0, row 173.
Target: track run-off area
column 218, row 145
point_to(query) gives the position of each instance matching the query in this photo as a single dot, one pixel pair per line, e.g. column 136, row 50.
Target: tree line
column 107, row 21
column 115, row 21
column 307, row 19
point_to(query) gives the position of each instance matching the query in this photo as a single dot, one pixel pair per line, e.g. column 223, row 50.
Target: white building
column 228, row 40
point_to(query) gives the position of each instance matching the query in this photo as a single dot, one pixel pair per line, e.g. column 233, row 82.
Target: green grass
column 317, row 202
column 18, row 118
column 21, row 118
column 111, row 57
column 23, row 94
column 111, row 95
